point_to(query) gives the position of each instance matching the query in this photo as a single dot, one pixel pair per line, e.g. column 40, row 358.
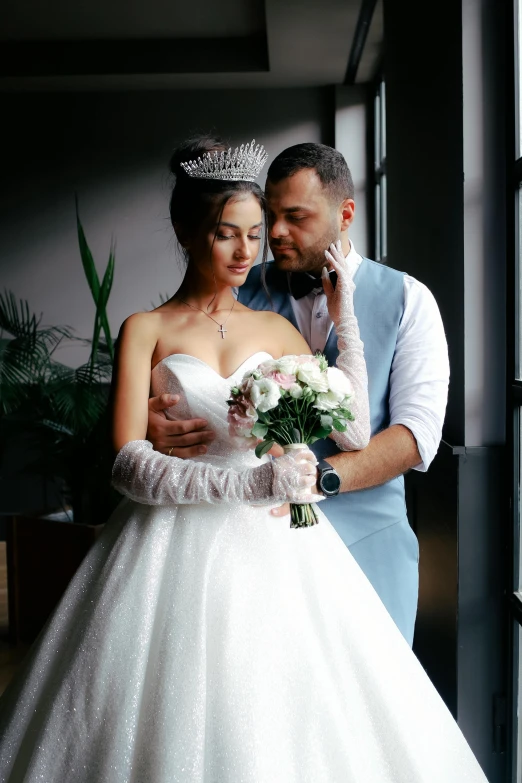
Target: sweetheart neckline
column 200, row 361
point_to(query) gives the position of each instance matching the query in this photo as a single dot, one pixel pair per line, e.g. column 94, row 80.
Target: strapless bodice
column 203, row 394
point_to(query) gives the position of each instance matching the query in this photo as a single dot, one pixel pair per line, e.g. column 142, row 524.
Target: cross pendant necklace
column 221, row 329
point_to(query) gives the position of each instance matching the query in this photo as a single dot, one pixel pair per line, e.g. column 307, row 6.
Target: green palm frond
column 100, row 292
column 15, row 317
column 100, row 319
column 24, row 359
column 77, row 397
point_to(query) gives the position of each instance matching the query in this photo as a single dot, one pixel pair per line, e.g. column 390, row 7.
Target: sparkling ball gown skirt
column 215, row 644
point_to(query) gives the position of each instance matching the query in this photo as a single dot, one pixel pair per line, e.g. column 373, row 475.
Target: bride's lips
column 239, row 268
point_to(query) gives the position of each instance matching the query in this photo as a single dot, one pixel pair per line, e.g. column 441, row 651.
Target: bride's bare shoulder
column 145, row 321
column 141, row 328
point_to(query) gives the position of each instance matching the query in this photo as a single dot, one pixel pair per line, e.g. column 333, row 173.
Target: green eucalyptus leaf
column 259, row 430
column 263, row 447
column 321, row 432
column 339, row 425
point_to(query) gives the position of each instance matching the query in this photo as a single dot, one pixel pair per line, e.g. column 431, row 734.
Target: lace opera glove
column 146, row 476
column 351, row 351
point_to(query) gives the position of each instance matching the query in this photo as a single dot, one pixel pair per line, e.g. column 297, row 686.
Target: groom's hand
column 182, row 438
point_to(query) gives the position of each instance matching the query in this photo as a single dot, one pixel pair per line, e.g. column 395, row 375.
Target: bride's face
column 225, row 251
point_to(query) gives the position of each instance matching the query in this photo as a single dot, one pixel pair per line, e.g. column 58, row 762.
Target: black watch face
column 330, row 482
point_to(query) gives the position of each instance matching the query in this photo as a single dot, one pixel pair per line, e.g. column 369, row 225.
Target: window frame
column 514, row 380
column 379, row 170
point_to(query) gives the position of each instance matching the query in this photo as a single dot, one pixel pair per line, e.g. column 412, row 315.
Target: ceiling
column 174, row 44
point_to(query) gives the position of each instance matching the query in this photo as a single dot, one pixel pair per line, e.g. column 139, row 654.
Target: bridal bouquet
column 292, row 401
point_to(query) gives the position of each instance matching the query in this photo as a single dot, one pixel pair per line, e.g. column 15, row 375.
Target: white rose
column 265, row 394
column 295, row 391
column 326, row 421
column 313, row 377
column 339, row 384
column 327, row 401
column 287, row 365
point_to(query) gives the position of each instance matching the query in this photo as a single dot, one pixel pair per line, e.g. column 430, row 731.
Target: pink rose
column 241, row 419
column 246, row 384
column 245, row 403
column 284, row 380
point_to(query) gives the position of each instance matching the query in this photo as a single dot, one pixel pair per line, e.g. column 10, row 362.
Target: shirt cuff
column 427, row 443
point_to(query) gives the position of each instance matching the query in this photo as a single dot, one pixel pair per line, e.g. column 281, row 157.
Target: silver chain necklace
column 221, row 329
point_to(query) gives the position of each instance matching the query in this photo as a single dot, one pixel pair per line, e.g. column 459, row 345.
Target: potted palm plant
column 62, row 412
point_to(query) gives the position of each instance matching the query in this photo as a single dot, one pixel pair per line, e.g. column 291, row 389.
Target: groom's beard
column 290, row 258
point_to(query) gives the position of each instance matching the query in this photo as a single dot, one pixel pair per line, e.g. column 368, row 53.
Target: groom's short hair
column 328, row 162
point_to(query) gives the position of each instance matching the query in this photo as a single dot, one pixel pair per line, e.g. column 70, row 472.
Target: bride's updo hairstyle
column 195, row 200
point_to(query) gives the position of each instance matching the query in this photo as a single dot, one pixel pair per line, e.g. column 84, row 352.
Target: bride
column 203, row 640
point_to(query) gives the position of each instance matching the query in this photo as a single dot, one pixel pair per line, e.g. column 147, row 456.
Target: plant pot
column 42, row 557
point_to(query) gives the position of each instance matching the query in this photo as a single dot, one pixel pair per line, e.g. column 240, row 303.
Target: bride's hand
column 282, row 511
column 295, row 475
column 340, row 298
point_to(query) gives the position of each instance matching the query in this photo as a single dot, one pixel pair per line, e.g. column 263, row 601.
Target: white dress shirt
column 420, row 369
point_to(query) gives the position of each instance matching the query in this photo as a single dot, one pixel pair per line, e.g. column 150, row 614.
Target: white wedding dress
column 215, row 644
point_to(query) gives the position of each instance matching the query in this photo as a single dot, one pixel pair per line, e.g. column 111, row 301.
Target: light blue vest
column 359, row 516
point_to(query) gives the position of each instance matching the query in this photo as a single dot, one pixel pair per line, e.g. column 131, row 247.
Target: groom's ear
column 346, row 213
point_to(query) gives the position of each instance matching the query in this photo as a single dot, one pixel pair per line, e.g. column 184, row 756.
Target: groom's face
column 302, row 221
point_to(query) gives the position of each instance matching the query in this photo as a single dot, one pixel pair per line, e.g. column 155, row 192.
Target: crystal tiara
column 242, row 163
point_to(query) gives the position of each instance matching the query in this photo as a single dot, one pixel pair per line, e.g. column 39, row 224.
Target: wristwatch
column 328, row 480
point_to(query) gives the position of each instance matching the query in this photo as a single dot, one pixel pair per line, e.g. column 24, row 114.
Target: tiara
column 242, row 163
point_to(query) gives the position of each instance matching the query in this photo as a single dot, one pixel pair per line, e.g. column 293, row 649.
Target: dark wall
column 446, row 166
column 113, row 149
column 423, row 67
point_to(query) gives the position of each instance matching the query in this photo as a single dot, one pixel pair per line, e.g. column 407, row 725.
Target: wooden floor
column 10, row 655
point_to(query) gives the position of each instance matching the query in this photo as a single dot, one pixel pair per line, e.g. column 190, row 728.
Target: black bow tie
column 302, row 283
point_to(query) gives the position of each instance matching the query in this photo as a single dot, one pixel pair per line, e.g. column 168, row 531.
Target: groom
column 310, row 198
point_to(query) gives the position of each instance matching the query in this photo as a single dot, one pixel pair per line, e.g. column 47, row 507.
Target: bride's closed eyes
column 233, row 236
column 222, row 235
